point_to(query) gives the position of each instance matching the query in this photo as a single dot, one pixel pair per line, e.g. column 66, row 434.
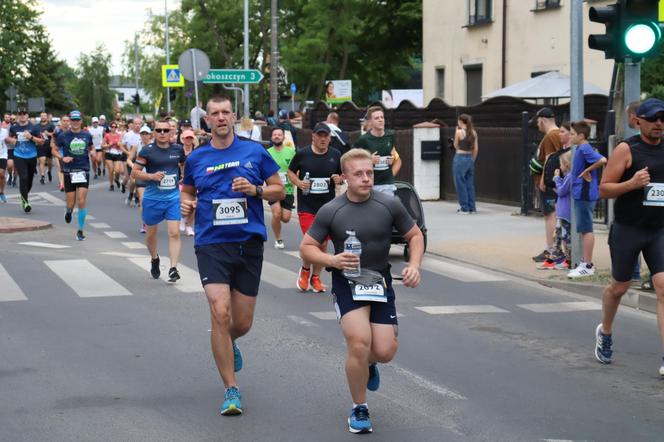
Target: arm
column 138, row 173
column 476, row 148
column 411, row 273
column 131, row 155
column 10, row 140
column 457, row 137
column 563, row 185
column 310, row 251
column 396, row 162
column 274, row 191
column 54, row 148
column 292, row 177
column 187, row 200
column 621, row 159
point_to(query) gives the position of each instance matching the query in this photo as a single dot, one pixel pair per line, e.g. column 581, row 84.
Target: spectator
column 290, row 135
column 249, row 130
column 197, row 113
column 258, row 116
column 466, row 150
column 340, row 139
column 271, row 120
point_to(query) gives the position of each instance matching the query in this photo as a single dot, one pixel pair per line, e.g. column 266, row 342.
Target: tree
column 92, row 88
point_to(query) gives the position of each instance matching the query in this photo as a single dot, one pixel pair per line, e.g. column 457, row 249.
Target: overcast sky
column 77, row 26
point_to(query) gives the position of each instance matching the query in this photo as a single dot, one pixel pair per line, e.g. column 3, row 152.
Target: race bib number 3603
column 654, row 194
column 230, row 211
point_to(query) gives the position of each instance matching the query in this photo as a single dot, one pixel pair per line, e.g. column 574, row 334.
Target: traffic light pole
column 576, row 105
column 632, row 90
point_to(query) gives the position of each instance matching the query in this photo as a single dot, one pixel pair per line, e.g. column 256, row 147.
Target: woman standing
column 463, row 166
column 189, row 143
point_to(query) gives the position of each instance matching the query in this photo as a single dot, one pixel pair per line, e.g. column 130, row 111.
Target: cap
column 102, row 117
column 145, row 130
column 650, row 108
column 545, row 112
column 188, row 133
column 75, row 115
column 283, row 114
column 321, row 127
column 185, row 123
column 95, row 120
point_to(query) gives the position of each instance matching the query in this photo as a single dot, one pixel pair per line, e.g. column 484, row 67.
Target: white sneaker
column 581, row 271
column 189, row 230
column 182, row 226
column 661, row 369
column 279, row 244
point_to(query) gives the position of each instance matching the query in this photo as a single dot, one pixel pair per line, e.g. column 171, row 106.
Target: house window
column 473, row 84
column 120, row 96
column 440, row 82
column 479, row 11
column 546, row 4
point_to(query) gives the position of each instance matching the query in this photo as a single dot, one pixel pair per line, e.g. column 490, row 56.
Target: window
column 546, row 4
column 440, row 82
column 473, row 84
column 479, row 12
column 120, row 96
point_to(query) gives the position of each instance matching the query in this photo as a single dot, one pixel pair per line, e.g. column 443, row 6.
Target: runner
column 129, row 140
column 189, row 143
column 162, row 162
column 320, row 166
column 634, row 176
column 25, row 138
column 63, row 126
column 113, row 155
column 146, row 138
column 227, row 176
column 44, row 155
column 75, row 145
column 367, row 313
column 97, row 133
column 3, row 160
column 281, row 210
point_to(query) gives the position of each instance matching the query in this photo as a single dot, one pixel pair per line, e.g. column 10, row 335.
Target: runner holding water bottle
column 367, row 310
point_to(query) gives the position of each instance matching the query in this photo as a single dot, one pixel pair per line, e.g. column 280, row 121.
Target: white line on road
column 44, row 245
column 190, row 281
column 293, row 253
column 125, row 255
column 86, row 279
column 115, row 235
column 51, row 198
column 301, row 321
column 560, row 307
column 134, row 245
column 427, row 384
column 460, row 309
column 460, row 273
column 10, row 290
column 278, row 276
column 100, row 225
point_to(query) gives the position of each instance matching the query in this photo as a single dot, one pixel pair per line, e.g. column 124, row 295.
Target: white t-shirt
column 254, row 133
column 130, row 139
column 97, row 135
column 195, row 118
column 3, row 147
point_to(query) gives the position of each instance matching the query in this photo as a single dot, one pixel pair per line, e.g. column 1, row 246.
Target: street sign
column 233, row 76
column 293, row 88
column 171, row 76
column 194, row 64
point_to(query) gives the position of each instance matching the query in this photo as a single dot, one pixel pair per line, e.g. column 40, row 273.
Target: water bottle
column 306, row 180
column 354, row 246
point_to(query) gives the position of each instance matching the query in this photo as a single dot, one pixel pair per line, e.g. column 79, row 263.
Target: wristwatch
column 259, row 192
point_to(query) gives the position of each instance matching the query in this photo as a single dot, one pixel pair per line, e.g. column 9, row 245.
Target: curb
column 13, row 225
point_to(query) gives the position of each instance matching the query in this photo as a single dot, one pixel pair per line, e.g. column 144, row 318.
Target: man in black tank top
column 634, row 176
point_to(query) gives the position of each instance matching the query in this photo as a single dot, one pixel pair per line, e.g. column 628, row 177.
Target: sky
column 77, row 26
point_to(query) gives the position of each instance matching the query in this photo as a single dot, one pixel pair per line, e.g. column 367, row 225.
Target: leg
column 174, row 243
column 219, row 300
column 276, row 220
column 384, row 342
column 285, row 215
column 42, row 166
column 588, row 245
column 357, row 332
column 109, row 168
column 610, row 302
column 658, row 284
column 459, row 185
column 549, row 228
column 151, row 240
column 81, row 201
column 470, row 185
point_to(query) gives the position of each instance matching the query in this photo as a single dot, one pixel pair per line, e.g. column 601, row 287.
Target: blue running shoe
column 237, row 357
column 374, row 377
column 358, row 421
column 603, row 344
column 232, row 402
column 3, row 198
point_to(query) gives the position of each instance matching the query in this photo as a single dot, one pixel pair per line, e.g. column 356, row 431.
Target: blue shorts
column 583, row 211
column 381, row 312
column 155, row 211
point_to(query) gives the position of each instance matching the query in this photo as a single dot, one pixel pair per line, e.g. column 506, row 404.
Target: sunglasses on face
column 162, row 131
column 114, row 127
column 653, row 119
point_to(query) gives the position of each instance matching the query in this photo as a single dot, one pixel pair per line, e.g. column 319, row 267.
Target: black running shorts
column 71, row 187
column 381, row 312
column 625, row 244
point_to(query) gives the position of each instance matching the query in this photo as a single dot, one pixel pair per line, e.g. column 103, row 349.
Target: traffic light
column 136, row 100
column 609, row 42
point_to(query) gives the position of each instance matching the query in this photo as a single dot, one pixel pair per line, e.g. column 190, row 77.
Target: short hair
column 354, row 154
column 164, row 121
column 218, row 98
column 632, row 107
column 581, row 127
column 567, row 125
column 277, row 128
column 372, row 110
column 333, row 116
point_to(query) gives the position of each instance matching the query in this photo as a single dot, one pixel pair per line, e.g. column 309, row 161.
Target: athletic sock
column 357, row 405
column 82, row 213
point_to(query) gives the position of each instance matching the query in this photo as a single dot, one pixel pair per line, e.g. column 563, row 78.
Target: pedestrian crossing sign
column 171, row 76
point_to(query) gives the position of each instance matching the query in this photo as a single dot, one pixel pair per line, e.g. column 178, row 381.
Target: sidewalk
column 498, row 238
column 11, row 225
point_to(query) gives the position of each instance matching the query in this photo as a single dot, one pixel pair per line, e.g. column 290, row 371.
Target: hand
column 27, row 135
column 586, row 176
column 390, row 160
column 640, row 179
column 67, row 159
column 187, row 207
column 158, row 176
column 346, row 261
column 375, row 158
column 411, row 276
column 556, row 173
column 337, row 179
column 304, row 185
column 242, row 185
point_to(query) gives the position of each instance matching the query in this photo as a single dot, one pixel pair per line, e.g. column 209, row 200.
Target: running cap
column 95, row 120
column 321, row 127
column 145, row 130
column 102, row 117
column 185, row 123
column 545, row 112
column 75, row 115
column 650, row 108
column 188, row 133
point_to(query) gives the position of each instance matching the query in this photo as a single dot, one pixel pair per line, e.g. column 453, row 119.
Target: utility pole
column 246, row 56
column 274, row 57
column 576, row 105
column 168, row 54
column 138, row 108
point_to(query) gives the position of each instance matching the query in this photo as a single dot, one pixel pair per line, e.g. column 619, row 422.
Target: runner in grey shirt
column 369, row 326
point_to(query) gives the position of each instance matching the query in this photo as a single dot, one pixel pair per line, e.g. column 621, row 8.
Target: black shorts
column 237, row 264
column 44, row 151
column 625, row 244
column 381, row 312
column 3, row 163
column 71, row 187
column 113, row 156
column 287, row 203
column 547, row 201
column 10, row 154
column 140, row 183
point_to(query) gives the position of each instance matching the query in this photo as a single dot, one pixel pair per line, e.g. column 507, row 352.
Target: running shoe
column 358, row 421
column 111, row 188
column 50, row 176
column 463, row 212
column 183, row 225
column 316, row 285
column 542, row 256
column 303, row 279
column 41, row 180
column 117, row 182
column 190, row 231
column 603, row 344
column 564, row 265
column 232, row 405
column 581, row 271
column 3, row 198
column 143, row 229
column 279, row 244
column 237, row 358
column 99, row 171
column 137, row 202
column 80, row 236
column 661, row 368
column 129, row 199
column 124, row 188
column 68, row 216
column 173, row 274
column 14, row 182
column 154, row 268
column 374, row 377
column 548, row 264
column 25, row 205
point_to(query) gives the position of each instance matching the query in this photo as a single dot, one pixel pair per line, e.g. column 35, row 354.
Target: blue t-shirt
column 75, row 145
column 584, row 157
column 25, row 148
column 162, row 159
column 224, row 216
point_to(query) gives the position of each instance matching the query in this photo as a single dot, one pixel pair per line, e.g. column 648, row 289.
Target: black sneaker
column 80, row 236
column 67, row 216
column 50, row 177
column 542, row 256
column 117, row 182
column 124, row 188
column 99, row 171
column 111, row 189
column 173, row 275
column 154, row 269
column 41, row 180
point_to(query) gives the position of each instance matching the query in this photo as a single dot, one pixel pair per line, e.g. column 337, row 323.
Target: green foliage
column 652, row 72
column 92, row 87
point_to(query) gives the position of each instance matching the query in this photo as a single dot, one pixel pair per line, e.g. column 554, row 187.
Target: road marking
column 134, row 245
column 325, row 316
column 86, row 279
column 460, row 273
column 115, row 235
column 427, row 384
column 190, row 281
column 560, row 307
column 301, row 321
column 10, row 290
column 460, row 309
column 293, row 253
column 125, row 255
column 44, row 245
column 51, row 198
column 278, row 276
column 100, row 225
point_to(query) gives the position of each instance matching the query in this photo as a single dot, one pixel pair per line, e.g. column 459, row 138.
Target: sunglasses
column 114, row 127
column 162, row 131
column 654, row 119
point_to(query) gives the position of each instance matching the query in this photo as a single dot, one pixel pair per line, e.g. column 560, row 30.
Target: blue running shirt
column 224, row 216
column 75, row 145
column 25, row 148
column 167, row 160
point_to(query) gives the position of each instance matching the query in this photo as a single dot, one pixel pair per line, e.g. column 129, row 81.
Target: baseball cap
column 283, row 114
column 75, row 115
column 321, row 127
column 185, row 123
column 102, row 117
column 145, row 130
column 95, row 120
column 188, row 133
column 650, row 108
column 545, row 112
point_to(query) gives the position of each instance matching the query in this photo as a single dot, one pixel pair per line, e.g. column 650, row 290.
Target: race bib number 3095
column 229, row 211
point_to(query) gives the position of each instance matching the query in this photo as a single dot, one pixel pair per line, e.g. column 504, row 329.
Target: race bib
column 229, row 211
column 319, row 185
column 168, row 182
column 382, row 164
column 372, row 292
column 654, row 194
column 78, row 177
column 284, row 178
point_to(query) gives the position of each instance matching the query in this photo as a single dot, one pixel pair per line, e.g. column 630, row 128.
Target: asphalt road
column 91, row 348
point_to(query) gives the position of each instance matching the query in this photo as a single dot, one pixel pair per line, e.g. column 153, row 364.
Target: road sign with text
column 236, row 76
column 171, row 76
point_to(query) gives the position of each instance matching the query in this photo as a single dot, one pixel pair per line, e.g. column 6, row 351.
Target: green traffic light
column 640, row 38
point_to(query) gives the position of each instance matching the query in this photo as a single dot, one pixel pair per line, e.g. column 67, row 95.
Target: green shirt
column 283, row 158
column 383, row 145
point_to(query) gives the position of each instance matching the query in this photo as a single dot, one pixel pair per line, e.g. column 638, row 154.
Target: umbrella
column 549, row 85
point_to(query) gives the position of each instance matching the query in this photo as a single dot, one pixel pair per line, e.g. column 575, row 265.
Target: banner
column 392, row 97
column 338, row 91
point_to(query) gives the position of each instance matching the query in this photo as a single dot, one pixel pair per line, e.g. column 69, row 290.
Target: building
column 124, row 90
column 474, row 47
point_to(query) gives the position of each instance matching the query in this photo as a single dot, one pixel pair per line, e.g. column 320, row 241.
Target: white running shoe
column 279, row 244
column 183, row 226
column 582, row 271
column 190, row 231
column 661, row 369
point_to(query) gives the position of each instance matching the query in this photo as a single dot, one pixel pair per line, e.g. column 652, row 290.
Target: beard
column 277, row 143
